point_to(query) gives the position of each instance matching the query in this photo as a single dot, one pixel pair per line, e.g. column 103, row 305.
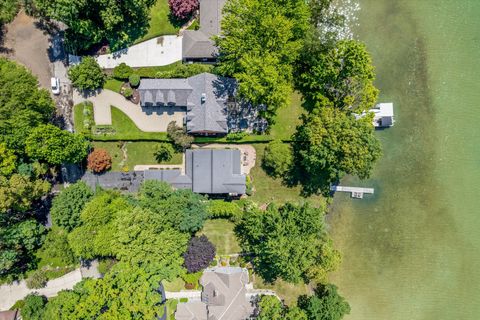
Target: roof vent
column 204, row 97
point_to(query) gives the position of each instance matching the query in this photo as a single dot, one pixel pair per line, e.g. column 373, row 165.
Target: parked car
column 55, row 83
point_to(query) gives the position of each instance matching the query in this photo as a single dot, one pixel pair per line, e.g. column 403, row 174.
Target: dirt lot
column 26, row 43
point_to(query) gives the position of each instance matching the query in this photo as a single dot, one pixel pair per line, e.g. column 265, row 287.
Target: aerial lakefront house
column 204, row 98
column 198, row 45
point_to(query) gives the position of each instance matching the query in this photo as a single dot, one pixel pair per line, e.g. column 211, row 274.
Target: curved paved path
column 159, row 51
column 151, row 119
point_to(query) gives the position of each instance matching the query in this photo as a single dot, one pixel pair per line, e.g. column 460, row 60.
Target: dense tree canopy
column 199, row 254
column 260, row 40
column 181, row 209
column 278, row 158
column 8, row 160
column 23, row 106
column 93, row 21
column 56, row 146
column 55, row 251
column 87, row 75
column 179, row 136
column 325, row 304
column 34, row 307
column 270, row 308
column 68, row 205
column 343, row 74
column 182, row 9
column 330, row 143
column 18, row 241
column 288, row 242
column 18, row 192
column 8, row 10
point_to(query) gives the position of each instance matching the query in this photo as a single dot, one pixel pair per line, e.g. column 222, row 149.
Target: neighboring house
column 204, row 96
column 224, row 297
column 198, row 44
column 208, row 171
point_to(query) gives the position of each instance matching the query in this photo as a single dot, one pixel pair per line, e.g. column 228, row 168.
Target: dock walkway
column 357, row 192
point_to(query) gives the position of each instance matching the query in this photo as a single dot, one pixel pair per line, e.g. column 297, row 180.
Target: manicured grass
column 287, row 119
column 125, row 129
column 220, row 233
column 268, row 189
column 171, row 308
column 160, row 23
column 151, row 72
column 174, row 286
column 137, row 153
column 78, row 117
column 286, row 291
column 113, row 85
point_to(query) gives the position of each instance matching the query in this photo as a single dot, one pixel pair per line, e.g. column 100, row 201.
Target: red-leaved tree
column 182, row 9
column 99, row 160
column 199, row 254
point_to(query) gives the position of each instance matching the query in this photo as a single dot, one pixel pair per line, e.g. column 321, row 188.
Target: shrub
column 134, row 80
column 99, row 160
column 235, row 136
column 182, row 9
column 179, row 136
column 277, row 159
column 219, row 209
column 199, row 254
column 128, row 93
column 164, row 152
column 214, row 263
column 192, row 279
column 249, row 186
column 37, row 280
column 184, row 71
column 87, row 75
column 183, row 299
column 33, row 307
column 122, row 71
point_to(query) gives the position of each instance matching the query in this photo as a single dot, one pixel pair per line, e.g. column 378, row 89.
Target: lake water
column 412, row 251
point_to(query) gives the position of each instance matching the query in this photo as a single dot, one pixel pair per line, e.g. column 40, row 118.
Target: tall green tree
column 18, row 192
column 325, row 304
column 68, row 204
column 8, row 160
column 18, row 242
column 342, row 73
column 272, row 309
column 8, row 10
column 56, row 146
column 331, row 143
column 90, row 22
column 55, row 251
column 260, row 41
column 288, row 242
column 181, row 209
column 278, row 158
column 87, row 75
column 23, row 106
column 34, row 307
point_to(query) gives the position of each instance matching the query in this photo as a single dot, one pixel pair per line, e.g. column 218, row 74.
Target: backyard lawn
column 137, row 152
column 220, row 233
column 268, row 189
column 160, row 23
column 113, row 85
column 286, row 291
column 287, row 119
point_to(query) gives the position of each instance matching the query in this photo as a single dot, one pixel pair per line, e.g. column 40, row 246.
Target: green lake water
column 412, row 250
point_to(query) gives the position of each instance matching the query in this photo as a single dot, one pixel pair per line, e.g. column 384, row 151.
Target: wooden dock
column 356, row 192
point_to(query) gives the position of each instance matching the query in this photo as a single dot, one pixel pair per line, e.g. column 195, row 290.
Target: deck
column 357, row 192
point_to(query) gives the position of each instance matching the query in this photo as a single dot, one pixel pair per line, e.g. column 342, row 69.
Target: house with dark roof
column 206, row 171
column 198, row 44
column 224, row 297
column 204, row 96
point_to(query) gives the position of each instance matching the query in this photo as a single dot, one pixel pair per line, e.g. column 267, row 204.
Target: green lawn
column 287, row 119
column 124, row 128
column 174, row 286
column 138, row 152
column 286, row 291
column 160, row 23
column 78, row 117
column 220, row 233
column 151, row 72
column 113, row 85
column 268, row 189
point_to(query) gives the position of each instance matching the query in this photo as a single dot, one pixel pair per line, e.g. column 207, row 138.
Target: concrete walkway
column 191, row 295
column 9, row 294
column 151, row 119
column 159, row 51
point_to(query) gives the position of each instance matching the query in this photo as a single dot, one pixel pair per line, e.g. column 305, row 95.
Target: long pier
column 356, row 192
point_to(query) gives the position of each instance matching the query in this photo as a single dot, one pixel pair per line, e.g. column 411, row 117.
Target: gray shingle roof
column 199, row 43
column 203, row 115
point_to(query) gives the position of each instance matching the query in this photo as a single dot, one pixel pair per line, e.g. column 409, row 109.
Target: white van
column 55, row 83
